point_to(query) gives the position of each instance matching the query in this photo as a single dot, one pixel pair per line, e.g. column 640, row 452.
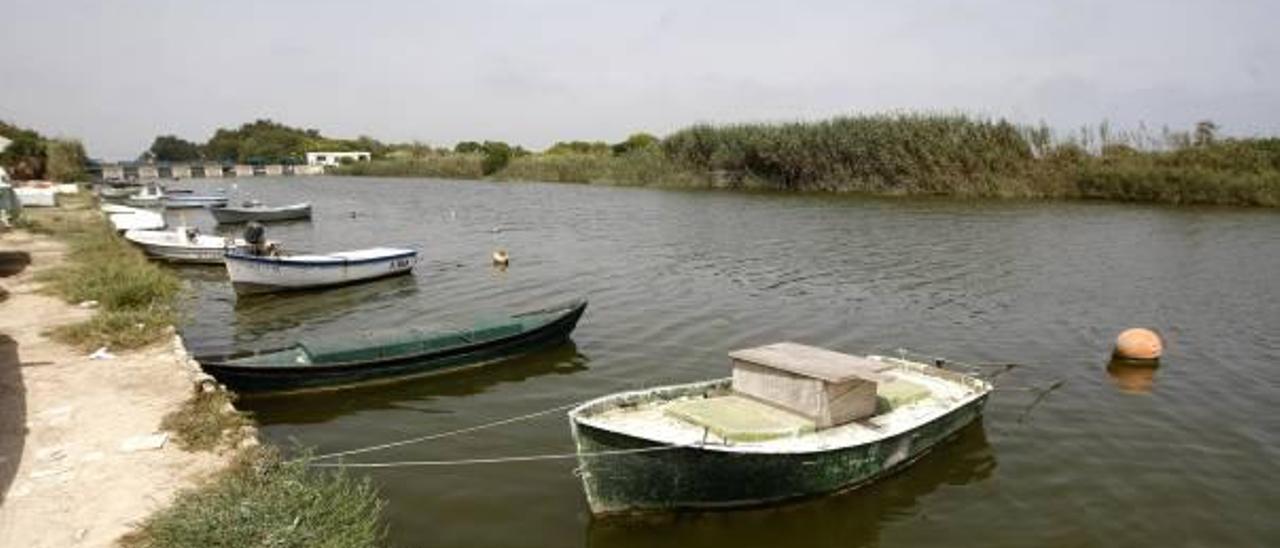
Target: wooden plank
column 810, row 361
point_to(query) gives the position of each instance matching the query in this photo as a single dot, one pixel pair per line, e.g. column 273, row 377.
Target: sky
column 117, row 73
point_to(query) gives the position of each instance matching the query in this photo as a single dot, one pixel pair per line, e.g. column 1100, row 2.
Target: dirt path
column 71, row 469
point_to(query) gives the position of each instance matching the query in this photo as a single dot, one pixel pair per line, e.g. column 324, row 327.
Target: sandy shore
column 79, row 462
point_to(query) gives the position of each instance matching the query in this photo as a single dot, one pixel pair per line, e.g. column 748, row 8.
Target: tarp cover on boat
column 366, row 346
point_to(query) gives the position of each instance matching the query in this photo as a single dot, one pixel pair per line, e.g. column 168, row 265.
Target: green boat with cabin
column 793, row 422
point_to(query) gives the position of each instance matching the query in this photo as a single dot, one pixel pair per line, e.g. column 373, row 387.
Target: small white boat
column 115, row 193
column 252, row 273
column 255, row 211
column 178, row 201
column 183, row 244
column 125, row 218
column 150, row 196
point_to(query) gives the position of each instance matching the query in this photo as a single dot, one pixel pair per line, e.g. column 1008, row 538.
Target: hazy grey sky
column 117, row 73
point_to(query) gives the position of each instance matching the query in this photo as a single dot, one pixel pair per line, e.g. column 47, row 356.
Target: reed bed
column 444, row 166
column 907, row 154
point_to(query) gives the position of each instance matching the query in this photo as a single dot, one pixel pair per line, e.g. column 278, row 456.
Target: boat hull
column 719, row 478
column 250, row 274
column 231, row 215
column 179, row 254
column 190, row 202
column 249, row 379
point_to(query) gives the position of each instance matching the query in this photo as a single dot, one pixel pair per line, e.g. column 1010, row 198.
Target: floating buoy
column 1138, row 344
column 500, row 258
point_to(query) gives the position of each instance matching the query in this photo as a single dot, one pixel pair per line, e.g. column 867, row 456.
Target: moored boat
column 183, row 244
column 406, row 353
column 731, row 443
column 116, row 192
column 253, row 211
column 125, row 218
column 151, row 195
column 179, row 201
column 260, row 273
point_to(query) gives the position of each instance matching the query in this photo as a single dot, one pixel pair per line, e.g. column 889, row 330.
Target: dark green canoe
column 408, row 353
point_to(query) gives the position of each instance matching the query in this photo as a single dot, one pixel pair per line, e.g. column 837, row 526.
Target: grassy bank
column 134, row 296
column 905, row 155
column 263, row 500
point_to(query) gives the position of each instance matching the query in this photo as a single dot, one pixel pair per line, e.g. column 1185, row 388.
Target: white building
column 4, row 143
column 335, row 158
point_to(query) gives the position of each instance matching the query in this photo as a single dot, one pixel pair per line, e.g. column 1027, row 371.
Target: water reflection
column 849, row 519
column 1134, row 377
column 412, row 394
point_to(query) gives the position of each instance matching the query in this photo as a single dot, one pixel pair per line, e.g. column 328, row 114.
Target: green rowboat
column 701, row 446
column 312, row 364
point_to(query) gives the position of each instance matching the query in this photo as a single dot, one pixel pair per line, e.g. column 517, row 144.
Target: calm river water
column 1182, row 455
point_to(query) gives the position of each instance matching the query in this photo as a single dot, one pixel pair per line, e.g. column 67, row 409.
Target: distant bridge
column 195, row 170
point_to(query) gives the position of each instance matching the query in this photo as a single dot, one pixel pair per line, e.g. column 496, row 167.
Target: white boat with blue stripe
column 260, row 273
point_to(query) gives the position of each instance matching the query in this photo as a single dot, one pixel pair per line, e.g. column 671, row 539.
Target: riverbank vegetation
column 30, row 155
column 207, row 421
column 257, row 142
column 905, row 154
column 264, row 500
column 134, row 296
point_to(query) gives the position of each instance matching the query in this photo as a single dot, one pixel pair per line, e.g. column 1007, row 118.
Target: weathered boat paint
column 728, row 476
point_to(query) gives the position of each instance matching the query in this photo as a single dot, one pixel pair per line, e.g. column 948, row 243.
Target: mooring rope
column 498, row 460
column 439, row 435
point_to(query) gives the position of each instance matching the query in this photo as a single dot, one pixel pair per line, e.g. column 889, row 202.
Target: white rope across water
column 497, row 460
column 439, row 435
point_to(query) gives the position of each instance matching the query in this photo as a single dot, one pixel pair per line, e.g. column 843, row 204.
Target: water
column 1182, row 455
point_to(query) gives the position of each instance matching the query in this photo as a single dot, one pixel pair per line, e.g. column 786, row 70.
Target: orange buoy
column 1138, row 344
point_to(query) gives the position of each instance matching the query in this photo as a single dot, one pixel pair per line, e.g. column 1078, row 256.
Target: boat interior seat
column 739, row 419
column 897, row 393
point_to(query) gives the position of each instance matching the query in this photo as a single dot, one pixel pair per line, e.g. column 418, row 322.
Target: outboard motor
column 254, row 236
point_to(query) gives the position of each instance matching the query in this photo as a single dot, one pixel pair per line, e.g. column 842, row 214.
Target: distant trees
column 1206, row 132
column 497, row 155
column 171, row 148
column 468, row 147
column 260, row 141
column 637, row 141
column 579, row 147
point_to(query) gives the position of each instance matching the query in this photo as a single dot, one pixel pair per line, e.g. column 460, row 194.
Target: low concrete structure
column 336, row 158
column 113, row 173
column 182, row 171
column 273, row 169
column 148, row 172
column 243, row 171
column 213, row 170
